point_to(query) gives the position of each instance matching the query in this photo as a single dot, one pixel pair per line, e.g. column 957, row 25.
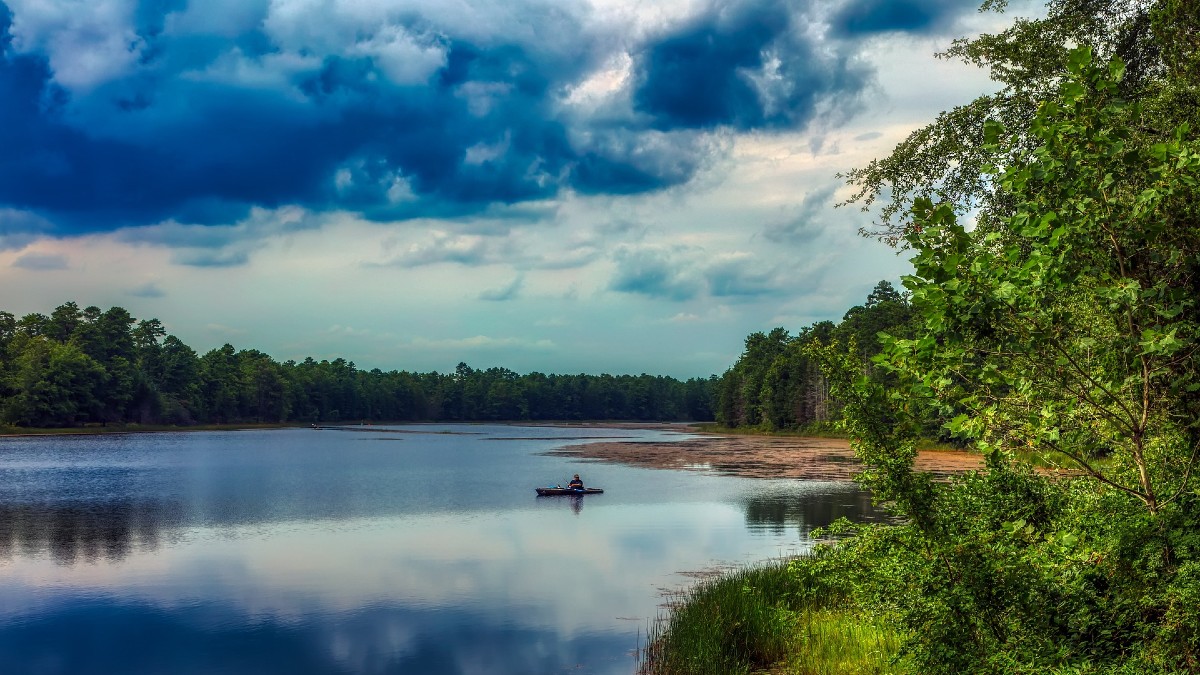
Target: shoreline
column 744, row 455
column 798, row 457
column 92, row 430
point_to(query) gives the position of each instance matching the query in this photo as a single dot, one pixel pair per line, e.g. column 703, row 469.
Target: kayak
column 557, row 491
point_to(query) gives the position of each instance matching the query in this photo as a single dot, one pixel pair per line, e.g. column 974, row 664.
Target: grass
column 764, row 620
column 842, row 642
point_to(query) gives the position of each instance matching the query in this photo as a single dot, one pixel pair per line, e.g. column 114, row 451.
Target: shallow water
column 416, row 549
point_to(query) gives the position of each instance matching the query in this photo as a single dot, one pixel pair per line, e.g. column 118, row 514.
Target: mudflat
column 760, row 456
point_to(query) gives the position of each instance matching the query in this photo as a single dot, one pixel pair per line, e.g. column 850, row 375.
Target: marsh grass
column 842, row 642
column 764, row 620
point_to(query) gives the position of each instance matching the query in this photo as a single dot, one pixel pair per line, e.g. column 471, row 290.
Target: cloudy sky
column 617, row 186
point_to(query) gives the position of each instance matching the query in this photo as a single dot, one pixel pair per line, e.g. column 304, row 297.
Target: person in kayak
column 575, row 483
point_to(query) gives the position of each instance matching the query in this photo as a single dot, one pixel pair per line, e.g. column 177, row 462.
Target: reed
column 843, row 642
column 764, row 620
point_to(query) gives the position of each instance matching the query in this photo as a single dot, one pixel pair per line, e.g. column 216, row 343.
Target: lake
column 380, row 549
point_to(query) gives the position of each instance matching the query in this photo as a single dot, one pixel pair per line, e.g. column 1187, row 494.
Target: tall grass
column 842, row 642
column 764, row 619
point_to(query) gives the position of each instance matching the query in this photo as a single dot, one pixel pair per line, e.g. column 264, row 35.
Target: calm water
column 417, row 549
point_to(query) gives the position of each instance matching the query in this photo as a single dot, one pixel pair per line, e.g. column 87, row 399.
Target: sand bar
column 760, row 456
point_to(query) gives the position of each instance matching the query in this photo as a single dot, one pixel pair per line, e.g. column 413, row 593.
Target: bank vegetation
column 1054, row 233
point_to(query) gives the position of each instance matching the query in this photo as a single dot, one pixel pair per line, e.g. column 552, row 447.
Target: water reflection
column 302, row 552
column 383, row 638
column 779, row 510
column 84, row 531
column 574, row 501
column 497, row 593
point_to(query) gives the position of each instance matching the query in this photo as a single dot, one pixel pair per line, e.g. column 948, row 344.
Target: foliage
column 51, row 381
column 1074, row 327
column 947, row 161
column 87, row 366
column 777, row 386
column 1062, row 322
column 1069, row 326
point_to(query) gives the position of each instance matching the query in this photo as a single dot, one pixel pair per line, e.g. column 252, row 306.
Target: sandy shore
column 759, row 456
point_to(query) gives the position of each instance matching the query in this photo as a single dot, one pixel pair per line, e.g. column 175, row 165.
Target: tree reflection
column 575, row 501
column 776, row 512
column 84, row 531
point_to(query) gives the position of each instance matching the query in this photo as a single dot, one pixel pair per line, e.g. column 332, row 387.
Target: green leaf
column 1078, row 59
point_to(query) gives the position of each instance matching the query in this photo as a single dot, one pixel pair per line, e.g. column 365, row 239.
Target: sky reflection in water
column 370, row 552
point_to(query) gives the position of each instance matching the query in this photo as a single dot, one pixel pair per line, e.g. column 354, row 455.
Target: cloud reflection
column 383, row 638
column 546, row 568
column 269, row 552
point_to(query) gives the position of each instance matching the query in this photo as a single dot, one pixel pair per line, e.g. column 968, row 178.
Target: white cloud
column 404, row 58
column 440, row 246
column 481, row 342
column 88, row 42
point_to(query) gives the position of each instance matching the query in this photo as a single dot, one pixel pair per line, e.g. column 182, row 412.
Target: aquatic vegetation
column 777, row 618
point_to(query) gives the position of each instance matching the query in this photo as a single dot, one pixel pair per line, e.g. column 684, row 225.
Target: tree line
column 89, row 366
column 776, row 384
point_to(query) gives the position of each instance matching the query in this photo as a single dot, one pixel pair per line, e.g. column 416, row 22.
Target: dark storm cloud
column 19, row 228
column 175, row 140
column 865, row 17
column 198, row 112
column 616, row 161
column 745, row 66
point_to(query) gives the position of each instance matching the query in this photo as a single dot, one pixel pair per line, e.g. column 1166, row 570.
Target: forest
column 777, row 385
column 86, row 366
column 1053, row 227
